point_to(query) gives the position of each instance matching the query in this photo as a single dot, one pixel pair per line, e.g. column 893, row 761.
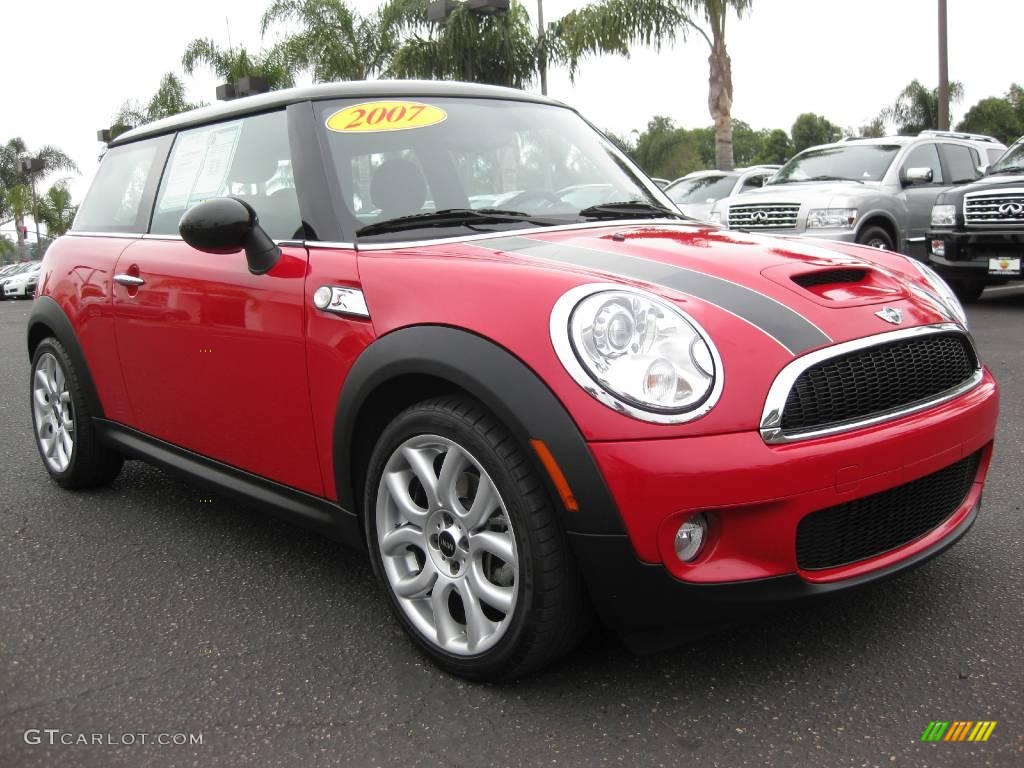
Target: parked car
column 13, row 273
column 697, row 192
column 525, row 414
column 878, row 192
column 977, row 230
column 23, row 284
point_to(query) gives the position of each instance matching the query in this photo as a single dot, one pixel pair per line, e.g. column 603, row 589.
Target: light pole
column 943, row 70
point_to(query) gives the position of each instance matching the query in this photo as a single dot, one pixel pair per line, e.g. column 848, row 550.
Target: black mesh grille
column 879, row 379
column 875, row 524
column 829, row 277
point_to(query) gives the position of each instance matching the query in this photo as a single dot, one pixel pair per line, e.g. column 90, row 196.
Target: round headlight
column 637, row 353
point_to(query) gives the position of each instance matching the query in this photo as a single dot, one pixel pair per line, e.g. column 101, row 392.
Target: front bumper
column 755, row 496
column 967, row 253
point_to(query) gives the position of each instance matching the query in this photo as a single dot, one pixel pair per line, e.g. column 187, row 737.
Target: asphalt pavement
column 151, row 608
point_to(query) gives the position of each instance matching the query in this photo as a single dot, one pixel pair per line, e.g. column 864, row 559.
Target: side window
column 248, row 159
column 994, row 154
column 121, row 195
column 925, row 156
column 962, row 163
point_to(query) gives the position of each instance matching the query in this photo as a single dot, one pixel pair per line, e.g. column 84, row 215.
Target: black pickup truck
column 977, row 230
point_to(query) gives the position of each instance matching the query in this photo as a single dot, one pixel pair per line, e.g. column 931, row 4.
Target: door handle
column 129, row 280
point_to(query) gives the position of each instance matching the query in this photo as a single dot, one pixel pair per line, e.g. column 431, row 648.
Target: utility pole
column 30, row 166
column 943, row 70
column 543, row 49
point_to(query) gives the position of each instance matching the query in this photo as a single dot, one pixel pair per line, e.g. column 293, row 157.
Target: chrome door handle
column 129, row 280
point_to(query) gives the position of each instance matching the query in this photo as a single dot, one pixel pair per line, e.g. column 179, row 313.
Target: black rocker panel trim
column 499, row 380
column 47, row 312
column 304, row 509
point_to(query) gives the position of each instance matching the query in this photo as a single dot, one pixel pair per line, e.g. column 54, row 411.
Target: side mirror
column 983, row 170
column 229, row 225
column 918, row 176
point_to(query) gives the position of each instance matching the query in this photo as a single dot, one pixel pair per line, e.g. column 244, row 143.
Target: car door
column 213, row 357
column 920, row 196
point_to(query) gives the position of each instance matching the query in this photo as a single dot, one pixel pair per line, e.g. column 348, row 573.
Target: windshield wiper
column 1007, row 169
column 629, row 209
column 452, row 217
column 815, row 178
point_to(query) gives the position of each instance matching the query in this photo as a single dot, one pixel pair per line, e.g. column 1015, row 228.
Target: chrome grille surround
column 764, row 215
column 983, row 208
column 775, row 404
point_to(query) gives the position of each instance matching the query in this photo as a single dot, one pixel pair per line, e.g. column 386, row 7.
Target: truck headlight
column 636, row 353
column 831, row 218
column 943, row 215
column 715, row 216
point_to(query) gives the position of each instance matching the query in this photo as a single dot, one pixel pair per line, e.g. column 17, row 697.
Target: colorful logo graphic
column 958, row 730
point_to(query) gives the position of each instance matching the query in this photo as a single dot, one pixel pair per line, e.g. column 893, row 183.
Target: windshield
column 703, row 189
column 1013, row 159
column 398, row 159
column 854, row 162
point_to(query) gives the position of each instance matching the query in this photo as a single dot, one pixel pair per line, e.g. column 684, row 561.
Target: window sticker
column 380, row 116
column 199, row 166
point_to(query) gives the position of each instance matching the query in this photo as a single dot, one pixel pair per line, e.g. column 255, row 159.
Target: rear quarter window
column 121, row 196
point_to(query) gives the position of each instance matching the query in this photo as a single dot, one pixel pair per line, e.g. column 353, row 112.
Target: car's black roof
column 359, row 89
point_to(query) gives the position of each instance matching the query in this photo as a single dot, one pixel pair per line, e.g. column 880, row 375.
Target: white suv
column 878, row 192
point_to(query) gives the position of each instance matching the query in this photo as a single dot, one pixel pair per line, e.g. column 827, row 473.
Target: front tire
column 876, row 237
column 464, row 537
column 62, row 423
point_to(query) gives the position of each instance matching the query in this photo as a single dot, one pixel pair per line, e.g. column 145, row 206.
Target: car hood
column 796, row 294
column 819, row 193
column 984, row 184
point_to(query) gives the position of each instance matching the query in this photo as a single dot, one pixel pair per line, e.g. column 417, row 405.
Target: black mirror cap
column 228, row 225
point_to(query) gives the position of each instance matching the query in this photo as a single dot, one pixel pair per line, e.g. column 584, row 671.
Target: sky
column 67, row 74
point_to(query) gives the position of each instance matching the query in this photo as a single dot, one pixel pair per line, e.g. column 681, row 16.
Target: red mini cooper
column 368, row 307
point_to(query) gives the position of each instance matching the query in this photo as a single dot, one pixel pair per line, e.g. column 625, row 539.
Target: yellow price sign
column 377, row 116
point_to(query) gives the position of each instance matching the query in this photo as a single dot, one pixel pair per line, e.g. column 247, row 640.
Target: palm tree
column 611, row 26
column 500, row 49
column 231, row 64
column 335, row 42
column 15, row 184
column 916, row 109
column 56, row 210
column 168, row 100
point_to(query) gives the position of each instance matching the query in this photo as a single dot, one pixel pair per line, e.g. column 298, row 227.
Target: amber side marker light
column 555, row 473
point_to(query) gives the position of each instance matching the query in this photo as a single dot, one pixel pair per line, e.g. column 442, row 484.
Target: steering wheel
column 539, row 195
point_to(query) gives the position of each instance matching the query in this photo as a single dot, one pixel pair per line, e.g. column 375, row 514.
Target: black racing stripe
column 792, row 330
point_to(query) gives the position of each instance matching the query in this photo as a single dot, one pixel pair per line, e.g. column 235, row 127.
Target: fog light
column 938, row 248
column 690, row 537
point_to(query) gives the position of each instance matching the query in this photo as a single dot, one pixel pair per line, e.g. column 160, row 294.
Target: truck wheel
column 464, row 537
column 968, row 291
column 875, row 237
column 65, row 435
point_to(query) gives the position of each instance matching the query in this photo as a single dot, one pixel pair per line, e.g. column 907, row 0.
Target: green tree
column 231, row 64
column 776, row 148
column 669, row 152
column 875, row 129
column 500, row 49
column 56, row 210
column 335, row 42
column 916, row 109
column 612, row 26
column 810, row 129
column 1000, row 117
column 15, row 184
column 168, row 100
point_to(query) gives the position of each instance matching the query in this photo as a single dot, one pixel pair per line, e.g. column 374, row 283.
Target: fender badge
column 891, row 315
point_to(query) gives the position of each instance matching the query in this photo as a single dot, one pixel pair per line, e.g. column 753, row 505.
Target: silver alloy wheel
column 447, row 545
column 52, row 413
column 877, row 242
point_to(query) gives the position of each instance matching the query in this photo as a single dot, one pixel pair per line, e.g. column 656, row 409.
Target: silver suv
column 878, row 192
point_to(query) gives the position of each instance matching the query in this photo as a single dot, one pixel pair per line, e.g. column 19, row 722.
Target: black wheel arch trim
column 504, row 384
column 47, row 312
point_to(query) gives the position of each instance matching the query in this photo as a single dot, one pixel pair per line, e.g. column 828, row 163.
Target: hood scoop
column 844, row 285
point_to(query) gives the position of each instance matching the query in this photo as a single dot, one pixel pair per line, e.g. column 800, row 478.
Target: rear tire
column 62, row 422
column 511, row 598
column 968, row 291
column 876, row 237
